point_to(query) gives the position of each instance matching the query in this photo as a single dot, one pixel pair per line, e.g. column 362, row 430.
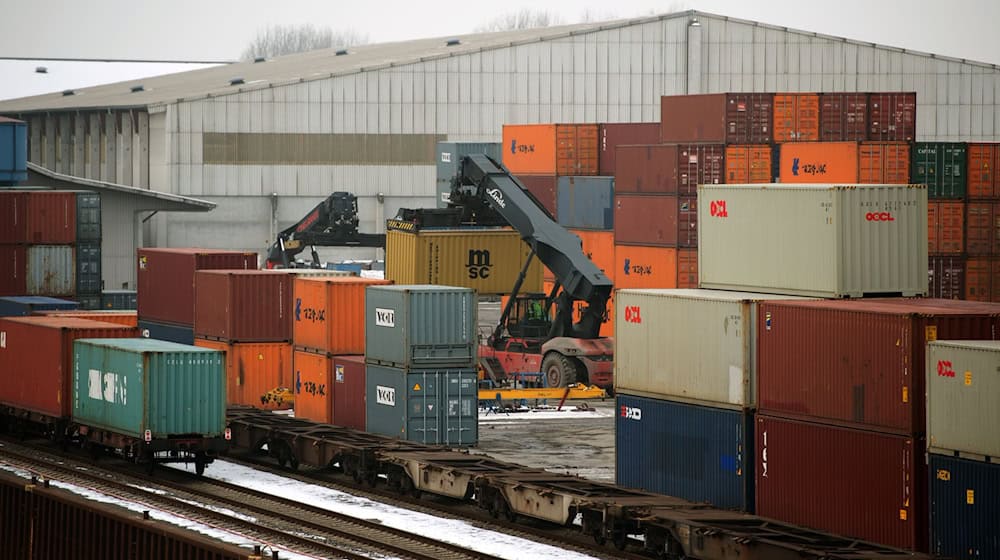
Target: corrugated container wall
column 659, row 221
column 50, row 270
column 166, row 388
column 15, row 306
column 313, row 386
column 585, row 203
column 697, row 453
column 843, row 117
column 180, row 334
column 88, row 270
column 732, row 118
column 328, row 313
column 243, row 305
column 599, row 247
column 550, row 149
column 126, row 318
column 946, row 277
column 984, row 181
column 38, row 217
column 638, row 266
column 942, row 166
column 945, row 227
column 612, row 135
column 818, row 162
column 796, row 118
column 963, row 389
column 485, row 260
column 892, row 116
column 420, row 326
column 981, row 279
column 824, row 241
column 449, row 163
column 436, row 406
column 669, row 168
column 853, row 483
column 884, row 162
column 119, row 299
column 349, row 388
column 13, row 151
column 687, row 268
column 88, row 216
column 254, row 370
column 748, row 164
column 964, row 508
column 14, row 259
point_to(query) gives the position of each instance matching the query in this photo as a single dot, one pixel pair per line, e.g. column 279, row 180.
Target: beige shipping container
column 813, row 240
column 486, row 260
column 963, row 394
column 688, row 345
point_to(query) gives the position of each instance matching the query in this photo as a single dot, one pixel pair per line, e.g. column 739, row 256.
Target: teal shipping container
column 437, row 407
column 942, row 166
column 129, row 386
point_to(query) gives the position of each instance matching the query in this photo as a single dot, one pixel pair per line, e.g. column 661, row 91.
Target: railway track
column 272, row 521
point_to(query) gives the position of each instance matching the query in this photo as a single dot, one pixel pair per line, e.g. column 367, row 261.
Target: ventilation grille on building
column 137, row 89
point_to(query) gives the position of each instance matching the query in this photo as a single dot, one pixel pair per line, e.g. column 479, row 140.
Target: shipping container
column 731, row 118
column 612, row 135
column 88, row 217
column 697, row 453
column 963, row 389
column 599, row 247
column 16, row 306
column 179, row 334
column 669, row 168
column 657, row 220
column 166, row 279
column 449, row 162
column 690, row 345
column 796, row 118
column 964, row 508
column 982, row 228
column 13, row 151
column 843, row 117
column 254, row 371
column 586, row 202
column 813, row 240
column 884, row 163
column 543, row 188
column 420, row 326
column 119, row 299
column 854, row 483
column 982, row 279
column 485, row 260
column 858, row 362
column 133, row 385
column 13, row 218
column 945, row 227
column 243, row 305
column 700, row 164
column 126, row 318
column 89, row 302
column 892, row 116
column 39, row 216
column 687, row 268
column 550, row 149
column 982, row 166
column 349, row 387
column 748, row 164
column 88, row 270
column 328, row 314
column 50, row 270
column 313, row 385
column 639, row 266
column 36, row 360
column 946, row 277
column 434, row 406
column 818, row 162
column 942, row 166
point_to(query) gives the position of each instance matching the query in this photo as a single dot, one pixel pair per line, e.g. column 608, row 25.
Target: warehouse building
column 266, row 140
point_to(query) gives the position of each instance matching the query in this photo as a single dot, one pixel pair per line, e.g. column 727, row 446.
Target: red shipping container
column 166, row 279
column 843, row 117
column 982, row 228
column 982, row 279
column 576, row 149
column 892, row 116
column 542, row 187
column 656, row 220
column 36, row 360
column 13, row 270
column 700, row 164
column 983, row 161
column 349, row 391
column 855, row 483
column 12, row 217
column 945, row 227
column 39, row 217
column 858, row 362
column 612, row 135
column 796, row 117
column 884, row 163
column 946, row 277
column 730, row 118
column 243, row 305
column 687, row 268
column 650, row 169
column 748, row 164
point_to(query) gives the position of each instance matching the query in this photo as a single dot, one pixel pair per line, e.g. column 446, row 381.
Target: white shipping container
column 694, row 345
column 963, row 391
column 813, row 240
column 51, row 270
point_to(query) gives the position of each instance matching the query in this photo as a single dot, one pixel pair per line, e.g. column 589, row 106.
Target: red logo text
column 717, row 208
column 632, row 314
column 945, row 368
column 880, row 217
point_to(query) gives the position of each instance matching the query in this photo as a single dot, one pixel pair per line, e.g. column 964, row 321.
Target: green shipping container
column 942, row 166
column 132, row 385
column 438, row 407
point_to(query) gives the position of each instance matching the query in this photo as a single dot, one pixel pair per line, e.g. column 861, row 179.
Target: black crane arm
column 331, row 223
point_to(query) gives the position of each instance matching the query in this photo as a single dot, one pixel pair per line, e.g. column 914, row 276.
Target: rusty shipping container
column 982, row 167
column 982, row 228
column 858, row 362
column 313, row 386
column 855, row 483
column 486, row 260
column 550, row 149
column 243, row 305
column 946, row 277
column 328, row 313
column 669, row 168
column 945, row 227
column 982, row 279
column 543, row 188
column 749, row 164
column 126, row 318
column 657, row 220
column 843, row 117
column 39, row 217
column 36, row 360
column 882, row 163
column 254, row 370
column 165, row 279
column 639, row 266
column 796, row 117
column 50, row 270
column 818, row 162
column 731, row 118
column 612, row 135
column 892, row 116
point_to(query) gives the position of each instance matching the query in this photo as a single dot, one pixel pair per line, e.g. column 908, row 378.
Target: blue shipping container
column 17, row 306
column 586, row 202
column 13, row 151
column 165, row 331
column 693, row 452
column 965, row 508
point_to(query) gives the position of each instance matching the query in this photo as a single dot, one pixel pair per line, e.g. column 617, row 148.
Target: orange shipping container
column 982, row 279
column 884, row 163
column 945, row 227
column 599, row 246
column 640, row 266
column 818, row 162
column 687, row 268
column 328, row 314
column 313, row 386
column 254, row 370
column 796, row 117
column 983, row 162
column 127, row 318
column 748, row 164
column 550, row 149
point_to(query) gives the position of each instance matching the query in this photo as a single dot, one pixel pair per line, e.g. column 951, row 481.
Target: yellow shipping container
column 487, row 261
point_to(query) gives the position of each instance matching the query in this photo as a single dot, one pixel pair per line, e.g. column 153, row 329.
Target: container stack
column 979, row 267
column 963, row 388
column 449, row 160
column 538, row 154
column 329, row 347
column 420, row 356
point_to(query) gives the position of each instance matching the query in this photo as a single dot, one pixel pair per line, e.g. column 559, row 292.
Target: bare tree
column 591, row 16
column 278, row 40
column 524, row 19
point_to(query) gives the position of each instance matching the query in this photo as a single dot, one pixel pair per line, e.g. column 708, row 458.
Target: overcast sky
column 221, row 29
